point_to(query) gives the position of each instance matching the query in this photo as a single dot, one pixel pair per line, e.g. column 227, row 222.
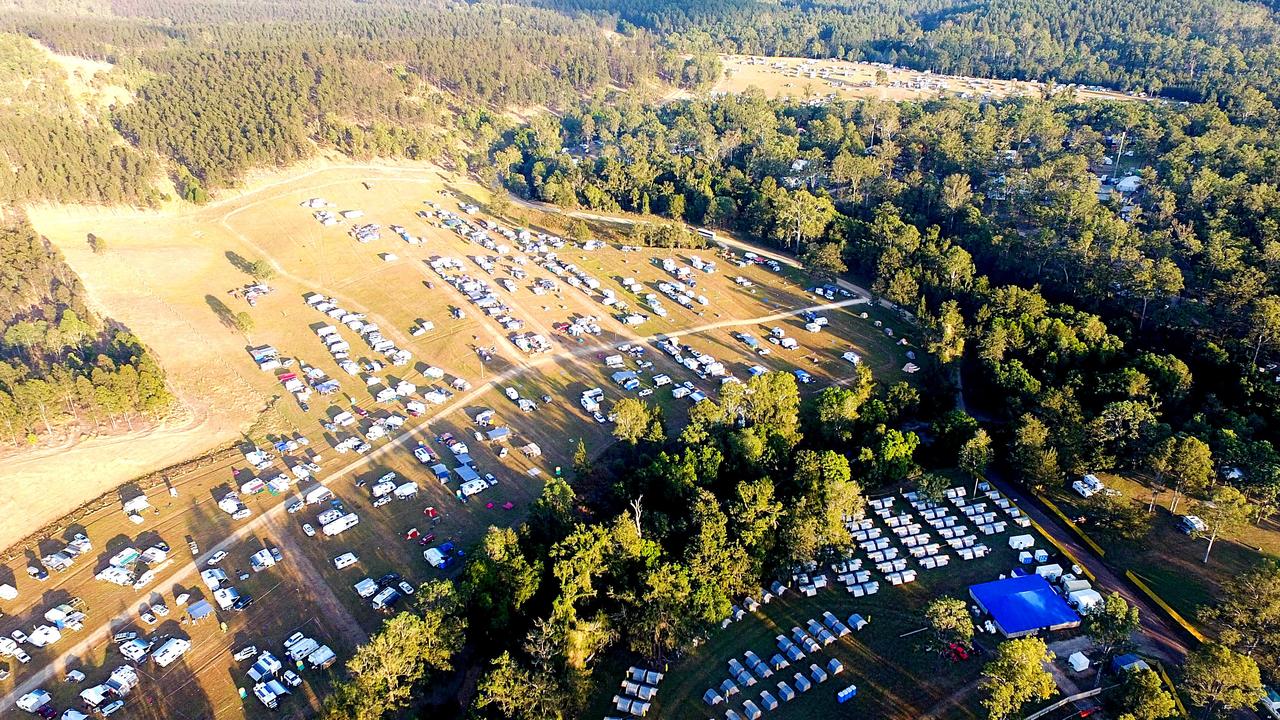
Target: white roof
column 1078, row 661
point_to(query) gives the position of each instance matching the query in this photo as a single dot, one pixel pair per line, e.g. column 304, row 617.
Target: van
column 345, row 560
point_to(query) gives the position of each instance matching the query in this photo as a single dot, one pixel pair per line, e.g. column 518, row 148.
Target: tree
column 261, row 270
column 956, row 192
column 499, row 580
column 1226, row 510
column 802, row 216
column 1111, row 624
column 1220, row 680
column 1118, row 516
column 1264, row 321
column 581, row 461
column 400, row 656
column 949, row 623
column 1032, row 454
column 1144, row 697
column 975, row 455
column 947, row 332
column 1247, row 612
column 520, row 693
column 933, row 487
column 1152, row 278
column 632, row 418
column 1189, row 465
column 823, row 260
column 1016, row 676
column 243, row 322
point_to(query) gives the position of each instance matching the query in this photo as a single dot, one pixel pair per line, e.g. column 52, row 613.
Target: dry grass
column 798, row 77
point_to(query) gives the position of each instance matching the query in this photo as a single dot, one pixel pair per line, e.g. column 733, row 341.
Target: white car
column 19, row 636
column 308, row 530
column 406, row 588
column 217, row 557
column 245, row 653
column 295, row 506
column 422, row 454
column 241, row 514
column 148, row 618
column 160, row 609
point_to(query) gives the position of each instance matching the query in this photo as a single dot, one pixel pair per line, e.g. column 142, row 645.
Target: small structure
column 1078, row 662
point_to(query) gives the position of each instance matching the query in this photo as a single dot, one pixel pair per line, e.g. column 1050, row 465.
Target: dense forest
column 60, row 364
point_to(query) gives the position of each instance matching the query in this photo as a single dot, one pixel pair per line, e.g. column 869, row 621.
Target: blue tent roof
column 200, row 609
column 1022, row 605
column 466, row 474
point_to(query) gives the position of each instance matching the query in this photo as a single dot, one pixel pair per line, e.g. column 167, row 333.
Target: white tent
column 1078, row 662
column 1021, row 542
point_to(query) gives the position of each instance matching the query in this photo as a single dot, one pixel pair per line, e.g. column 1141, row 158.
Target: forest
column 60, row 364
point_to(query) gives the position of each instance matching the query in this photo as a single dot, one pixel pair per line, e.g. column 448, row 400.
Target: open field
column 1168, row 560
column 167, row 276
column 805, row 78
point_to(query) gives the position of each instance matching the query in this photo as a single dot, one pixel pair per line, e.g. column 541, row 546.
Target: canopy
column 1023, row 605
column 200, row 610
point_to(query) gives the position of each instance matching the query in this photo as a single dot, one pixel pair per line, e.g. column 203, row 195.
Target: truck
column 342, row 524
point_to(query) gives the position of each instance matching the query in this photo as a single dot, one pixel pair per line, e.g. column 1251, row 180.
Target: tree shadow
column 220, row 309
column 239, row 262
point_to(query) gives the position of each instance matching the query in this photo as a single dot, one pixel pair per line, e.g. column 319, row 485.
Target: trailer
column 342, row 524
column 169, row 652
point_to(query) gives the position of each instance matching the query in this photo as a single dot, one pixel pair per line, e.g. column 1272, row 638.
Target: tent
column 200, row 610
column 466, row 474
column 1023, row 605
column 1078, row 662
column 1021, row 542
column 1129, row 663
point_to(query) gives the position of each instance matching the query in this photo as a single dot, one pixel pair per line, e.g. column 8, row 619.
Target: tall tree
column 1220, row 680
column 1016, row 676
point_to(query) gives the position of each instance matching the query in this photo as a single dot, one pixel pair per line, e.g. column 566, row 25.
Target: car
column 217, row 557
column 110, row 708
column 276, row 554
column 193, row 546
column 242, row 602
column 512, row 394
column 422, row 454
column 1191, row 524
column 490, row 480
column 124, row 637
column 38, row 572
column 291, row 678
column 21, row 656
column 18, row 636
column 295, row 506
column 405, row 587
column 48, row 712
column 245, row 653
column 241, row 514
column 599, row 418
column 161, row 545
column 389, row 578
column 160, row 609
column 546, row 399
column 359, row 411
column 74, row 676
column 148, row 618
column 382, row 501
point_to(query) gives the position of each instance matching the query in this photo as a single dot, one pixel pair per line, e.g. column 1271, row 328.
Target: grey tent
column 199, row 610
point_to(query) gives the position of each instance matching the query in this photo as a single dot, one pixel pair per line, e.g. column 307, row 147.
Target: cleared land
column 805, row 78
column 167, row 276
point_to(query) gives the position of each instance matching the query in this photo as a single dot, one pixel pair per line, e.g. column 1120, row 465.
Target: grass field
column 896, row 676
column 1171, row 562
column 800, row 77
